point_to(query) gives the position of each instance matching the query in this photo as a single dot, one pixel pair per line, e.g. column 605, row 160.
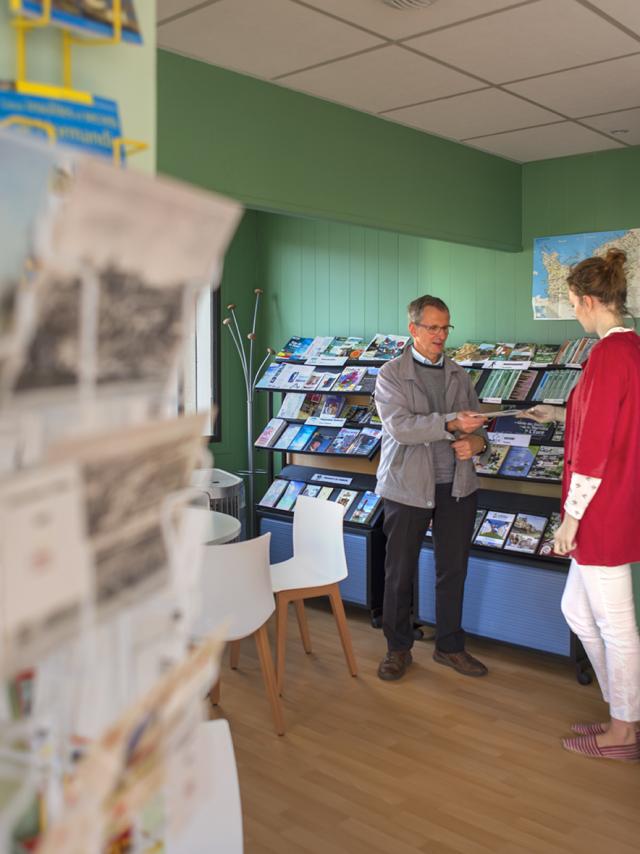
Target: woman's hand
column 564, row 541
column 542, row 413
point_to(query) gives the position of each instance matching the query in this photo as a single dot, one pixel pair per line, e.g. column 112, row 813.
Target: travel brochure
column 494, row 529
column 534, row 462
column 509, row 424
column 300, row 407
column 571, row 352
column 283, row 376
column 380, row 348
column 513, row 385
column 360, row 506
column 546, row 544
column 556, row 386
column 279, row 435
column 526, row 533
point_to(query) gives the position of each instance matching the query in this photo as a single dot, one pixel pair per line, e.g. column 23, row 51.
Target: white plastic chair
column 316, row 568
column 216, row 826
column 236, row 587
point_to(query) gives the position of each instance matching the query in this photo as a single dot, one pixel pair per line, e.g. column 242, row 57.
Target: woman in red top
column 601, row 500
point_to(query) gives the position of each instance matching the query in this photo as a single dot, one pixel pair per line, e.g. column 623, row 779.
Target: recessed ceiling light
column 620, row 131
column 408, row 4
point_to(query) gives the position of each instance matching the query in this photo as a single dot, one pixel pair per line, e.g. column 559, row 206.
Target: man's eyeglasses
column 433, row 330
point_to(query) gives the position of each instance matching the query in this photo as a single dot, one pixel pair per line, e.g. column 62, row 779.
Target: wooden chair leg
column 214, row 694
column 303, row 625
column 282, row 605
column 266, row 663
column 234, row 654
column 343, row 629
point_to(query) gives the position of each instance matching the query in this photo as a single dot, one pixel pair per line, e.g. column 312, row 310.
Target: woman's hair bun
column 615, row 257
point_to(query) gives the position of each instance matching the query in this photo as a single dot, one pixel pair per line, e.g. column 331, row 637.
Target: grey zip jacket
column 406, row 469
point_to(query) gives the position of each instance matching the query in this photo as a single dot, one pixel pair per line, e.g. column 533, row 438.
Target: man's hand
column 467, row 447
column 466, row 422
column 564, row 541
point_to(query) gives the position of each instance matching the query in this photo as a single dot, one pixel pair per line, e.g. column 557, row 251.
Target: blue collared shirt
column 424, row 361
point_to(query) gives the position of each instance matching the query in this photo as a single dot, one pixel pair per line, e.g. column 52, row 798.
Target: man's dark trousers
column 405, row 527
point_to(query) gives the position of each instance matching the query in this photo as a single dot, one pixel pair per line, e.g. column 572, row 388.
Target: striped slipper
column 588, row 746
column 587, row 729
column 592, row 729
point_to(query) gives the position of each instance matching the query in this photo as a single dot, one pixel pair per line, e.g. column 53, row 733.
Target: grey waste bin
column 225, row 491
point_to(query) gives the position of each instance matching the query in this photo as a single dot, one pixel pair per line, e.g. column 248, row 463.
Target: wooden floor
column 436, row 763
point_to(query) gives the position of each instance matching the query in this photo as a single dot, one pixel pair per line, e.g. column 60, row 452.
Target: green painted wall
column 323, row 278
column 279, row 150
column 126, row 73
column 239, row 279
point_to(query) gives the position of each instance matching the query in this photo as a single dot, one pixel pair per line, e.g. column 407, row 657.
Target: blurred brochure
column 45, row 562
column 91, row 124
column 133, row 762
column 127, row 476
column 100, row 269
column 157, row 229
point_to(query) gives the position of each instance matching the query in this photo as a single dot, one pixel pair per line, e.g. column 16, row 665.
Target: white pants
column 599, row 607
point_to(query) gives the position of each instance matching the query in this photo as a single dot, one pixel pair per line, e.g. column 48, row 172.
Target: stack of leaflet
column 279, row 435
column 556, row 386
column 533, row 462
column 282, row 376
column 526, row 533
column 574, row 352
column 360, row 506
column 336, row 350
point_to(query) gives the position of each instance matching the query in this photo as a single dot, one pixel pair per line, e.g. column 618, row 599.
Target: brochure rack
column 23, row 25
column 364, row 544
column 510, row 597
column 513, row 597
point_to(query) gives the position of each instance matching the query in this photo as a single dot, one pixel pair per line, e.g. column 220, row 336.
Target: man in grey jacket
column 426, row 473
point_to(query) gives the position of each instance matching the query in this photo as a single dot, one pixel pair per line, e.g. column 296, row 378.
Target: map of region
column 554, row 256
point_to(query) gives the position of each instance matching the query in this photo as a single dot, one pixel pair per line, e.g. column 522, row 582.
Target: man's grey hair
column 417, row 306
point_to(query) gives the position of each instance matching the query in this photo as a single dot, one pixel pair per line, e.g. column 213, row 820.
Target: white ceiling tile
column 527, row 40
column 166, row 8
column 472, row 114
column 400, row 23
column 539, row 143
column 381, row 79
column 628, row 120
column 626, row 12
column 265, row 38
column 598, row 88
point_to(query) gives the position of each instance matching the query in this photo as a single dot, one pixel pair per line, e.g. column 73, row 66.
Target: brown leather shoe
column 394, row 665
column 462, row 662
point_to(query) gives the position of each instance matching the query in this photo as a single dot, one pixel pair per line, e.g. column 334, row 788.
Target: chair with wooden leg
column 236, row 587
column 317, row 567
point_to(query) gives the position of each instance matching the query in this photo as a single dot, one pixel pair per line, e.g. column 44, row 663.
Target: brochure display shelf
column 544, row 464
column 363, row 541
column 361, row 395
column 512, row 597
